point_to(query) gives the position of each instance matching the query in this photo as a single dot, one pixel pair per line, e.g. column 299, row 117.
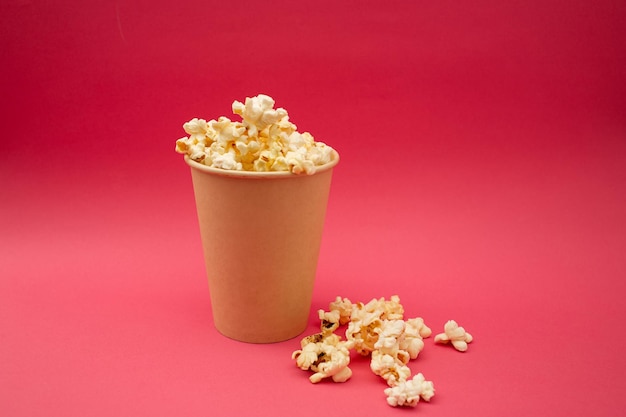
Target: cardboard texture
column 261, row 235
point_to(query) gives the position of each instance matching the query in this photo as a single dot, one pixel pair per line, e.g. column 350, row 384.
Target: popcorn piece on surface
column 328, row 356
column 393, row 310
column 265, row 140
column 363, row 330
column 388, row 334
column 454, row 334
column 344, row 306
column 419, row 325
column 307, row 357
column 411, row 340
column 387, row 310
column 311, row 345
column 408, row 393
column 389, row 368
column 330, row 320
column 336, row 367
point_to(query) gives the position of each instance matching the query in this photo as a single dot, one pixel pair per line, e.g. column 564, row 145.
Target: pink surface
column 482, row 179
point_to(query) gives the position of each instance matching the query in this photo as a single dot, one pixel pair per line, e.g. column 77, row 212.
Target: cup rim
column 257, row 174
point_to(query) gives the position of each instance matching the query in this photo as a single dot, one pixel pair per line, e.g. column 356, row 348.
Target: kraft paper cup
column 261, row 235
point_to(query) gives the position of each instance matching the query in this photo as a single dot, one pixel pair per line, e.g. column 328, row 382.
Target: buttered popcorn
column 264, row 140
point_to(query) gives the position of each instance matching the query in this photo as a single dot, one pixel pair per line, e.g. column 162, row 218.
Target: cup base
column 263, row 339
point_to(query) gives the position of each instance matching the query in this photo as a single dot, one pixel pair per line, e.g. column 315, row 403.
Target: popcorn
column 366, row 320
column 411, row 341
column 265, row 140
column 225, row 131
column 388, row 335
column 197, row 151
column 408, row 393
column 456, row 335
column 197, row 129
column 344, row 307
column 390, row 368
column 393, row 310
column 329, row 319
column 362, row 330
column 327, row 355
column 377, row 329
column 258, row 112
column 226, row 161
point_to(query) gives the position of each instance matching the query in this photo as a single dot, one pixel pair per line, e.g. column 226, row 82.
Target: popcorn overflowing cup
column 261, row 190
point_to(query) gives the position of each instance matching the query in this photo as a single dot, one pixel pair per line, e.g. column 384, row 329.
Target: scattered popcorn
column 388, row 335
column 326, row 355
column 378, row 329
column 362, row 329
column 330, row 320
column 366, row 320
column 344, row 307
column 408, row 393
column 390, row 368
column 455, row 335
column 265, row 140
column 414, row 331
column 393, row 308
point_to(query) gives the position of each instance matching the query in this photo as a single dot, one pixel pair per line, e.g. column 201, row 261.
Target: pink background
column 482, row 179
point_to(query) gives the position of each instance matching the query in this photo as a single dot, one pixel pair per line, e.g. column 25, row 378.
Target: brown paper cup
column 261, row 235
